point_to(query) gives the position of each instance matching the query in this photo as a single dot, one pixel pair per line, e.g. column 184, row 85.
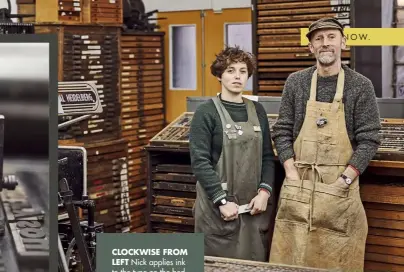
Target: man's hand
column 291, row 170
column 340, row 182
column 259, row 203
column 229, row 211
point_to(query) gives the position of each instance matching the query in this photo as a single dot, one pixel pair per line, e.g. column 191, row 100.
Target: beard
column 326, row 59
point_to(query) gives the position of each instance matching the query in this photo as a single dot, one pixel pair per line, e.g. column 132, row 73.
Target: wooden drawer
column 278, row 45
column 80, row 12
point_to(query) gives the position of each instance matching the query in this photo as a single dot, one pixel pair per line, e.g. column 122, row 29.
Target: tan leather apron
column 239, row 169
column 319, row 225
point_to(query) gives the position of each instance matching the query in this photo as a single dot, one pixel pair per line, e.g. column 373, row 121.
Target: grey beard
column 327, row 60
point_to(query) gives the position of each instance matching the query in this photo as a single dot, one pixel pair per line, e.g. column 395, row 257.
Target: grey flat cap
column 325, row 23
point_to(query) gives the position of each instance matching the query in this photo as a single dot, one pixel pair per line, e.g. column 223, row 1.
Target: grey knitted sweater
column 361, row 113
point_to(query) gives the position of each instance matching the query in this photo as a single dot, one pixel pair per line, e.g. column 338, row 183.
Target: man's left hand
column 340, row 182
column 259, row 203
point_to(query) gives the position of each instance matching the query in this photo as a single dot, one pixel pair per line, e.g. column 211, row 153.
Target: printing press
column 24, row 142
column 78, row 101
column 24, row 226
column 24, row 176
column 171, row 187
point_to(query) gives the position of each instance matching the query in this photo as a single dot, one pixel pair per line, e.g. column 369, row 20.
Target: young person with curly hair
column 233, row 160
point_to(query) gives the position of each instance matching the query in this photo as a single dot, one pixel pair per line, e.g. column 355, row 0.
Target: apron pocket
column 294, row 205
column 308, row 151
column 218, row 226
column 328, row 150
column 214, row 224
column 331, row 208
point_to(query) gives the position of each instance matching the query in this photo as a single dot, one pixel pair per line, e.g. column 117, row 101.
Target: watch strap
column 221, row 202
column 346, row 179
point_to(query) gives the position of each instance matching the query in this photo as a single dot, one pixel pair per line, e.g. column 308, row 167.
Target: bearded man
column 325, row 136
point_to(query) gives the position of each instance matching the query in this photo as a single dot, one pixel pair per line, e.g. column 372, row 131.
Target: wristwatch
column 222, row 202
column 348, row 180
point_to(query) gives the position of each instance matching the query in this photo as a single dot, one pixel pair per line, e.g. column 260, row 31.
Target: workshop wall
column 205, row 33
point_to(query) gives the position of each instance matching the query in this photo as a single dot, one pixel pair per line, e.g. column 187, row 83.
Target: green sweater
column 206, row 139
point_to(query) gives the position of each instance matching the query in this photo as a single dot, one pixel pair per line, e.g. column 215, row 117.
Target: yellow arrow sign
column 367, row 36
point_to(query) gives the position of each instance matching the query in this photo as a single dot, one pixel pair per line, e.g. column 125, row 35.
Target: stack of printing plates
column 172, row 183
column 105, row 11
column 107, row 184
column 70, row 11
column 141, row 93
column 91, row 54
column 279, row 51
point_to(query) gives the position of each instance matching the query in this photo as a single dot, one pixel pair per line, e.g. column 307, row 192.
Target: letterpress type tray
column 176, row 134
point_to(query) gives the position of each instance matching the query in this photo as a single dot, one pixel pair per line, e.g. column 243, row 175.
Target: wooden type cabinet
column 90, row 53
column 277, row 42
column 79, row 11
column 171, row 184
column 382, row 193
column 142, row 98
column 107, row 184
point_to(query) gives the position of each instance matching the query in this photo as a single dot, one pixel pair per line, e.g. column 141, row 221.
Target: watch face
column 223, row 201
column 348, row 181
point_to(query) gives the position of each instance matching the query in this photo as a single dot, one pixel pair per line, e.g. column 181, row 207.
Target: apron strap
column 224, row 115
column 313, row 88
column 339, row 92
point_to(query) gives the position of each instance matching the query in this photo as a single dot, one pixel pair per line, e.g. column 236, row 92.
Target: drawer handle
column 170, row 220
column 178, row 202
column 302, row 55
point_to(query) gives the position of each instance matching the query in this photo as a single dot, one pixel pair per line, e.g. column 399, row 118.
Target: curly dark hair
column 229, row 56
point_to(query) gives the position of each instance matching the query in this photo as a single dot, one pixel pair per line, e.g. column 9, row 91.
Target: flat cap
column 325, row 23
